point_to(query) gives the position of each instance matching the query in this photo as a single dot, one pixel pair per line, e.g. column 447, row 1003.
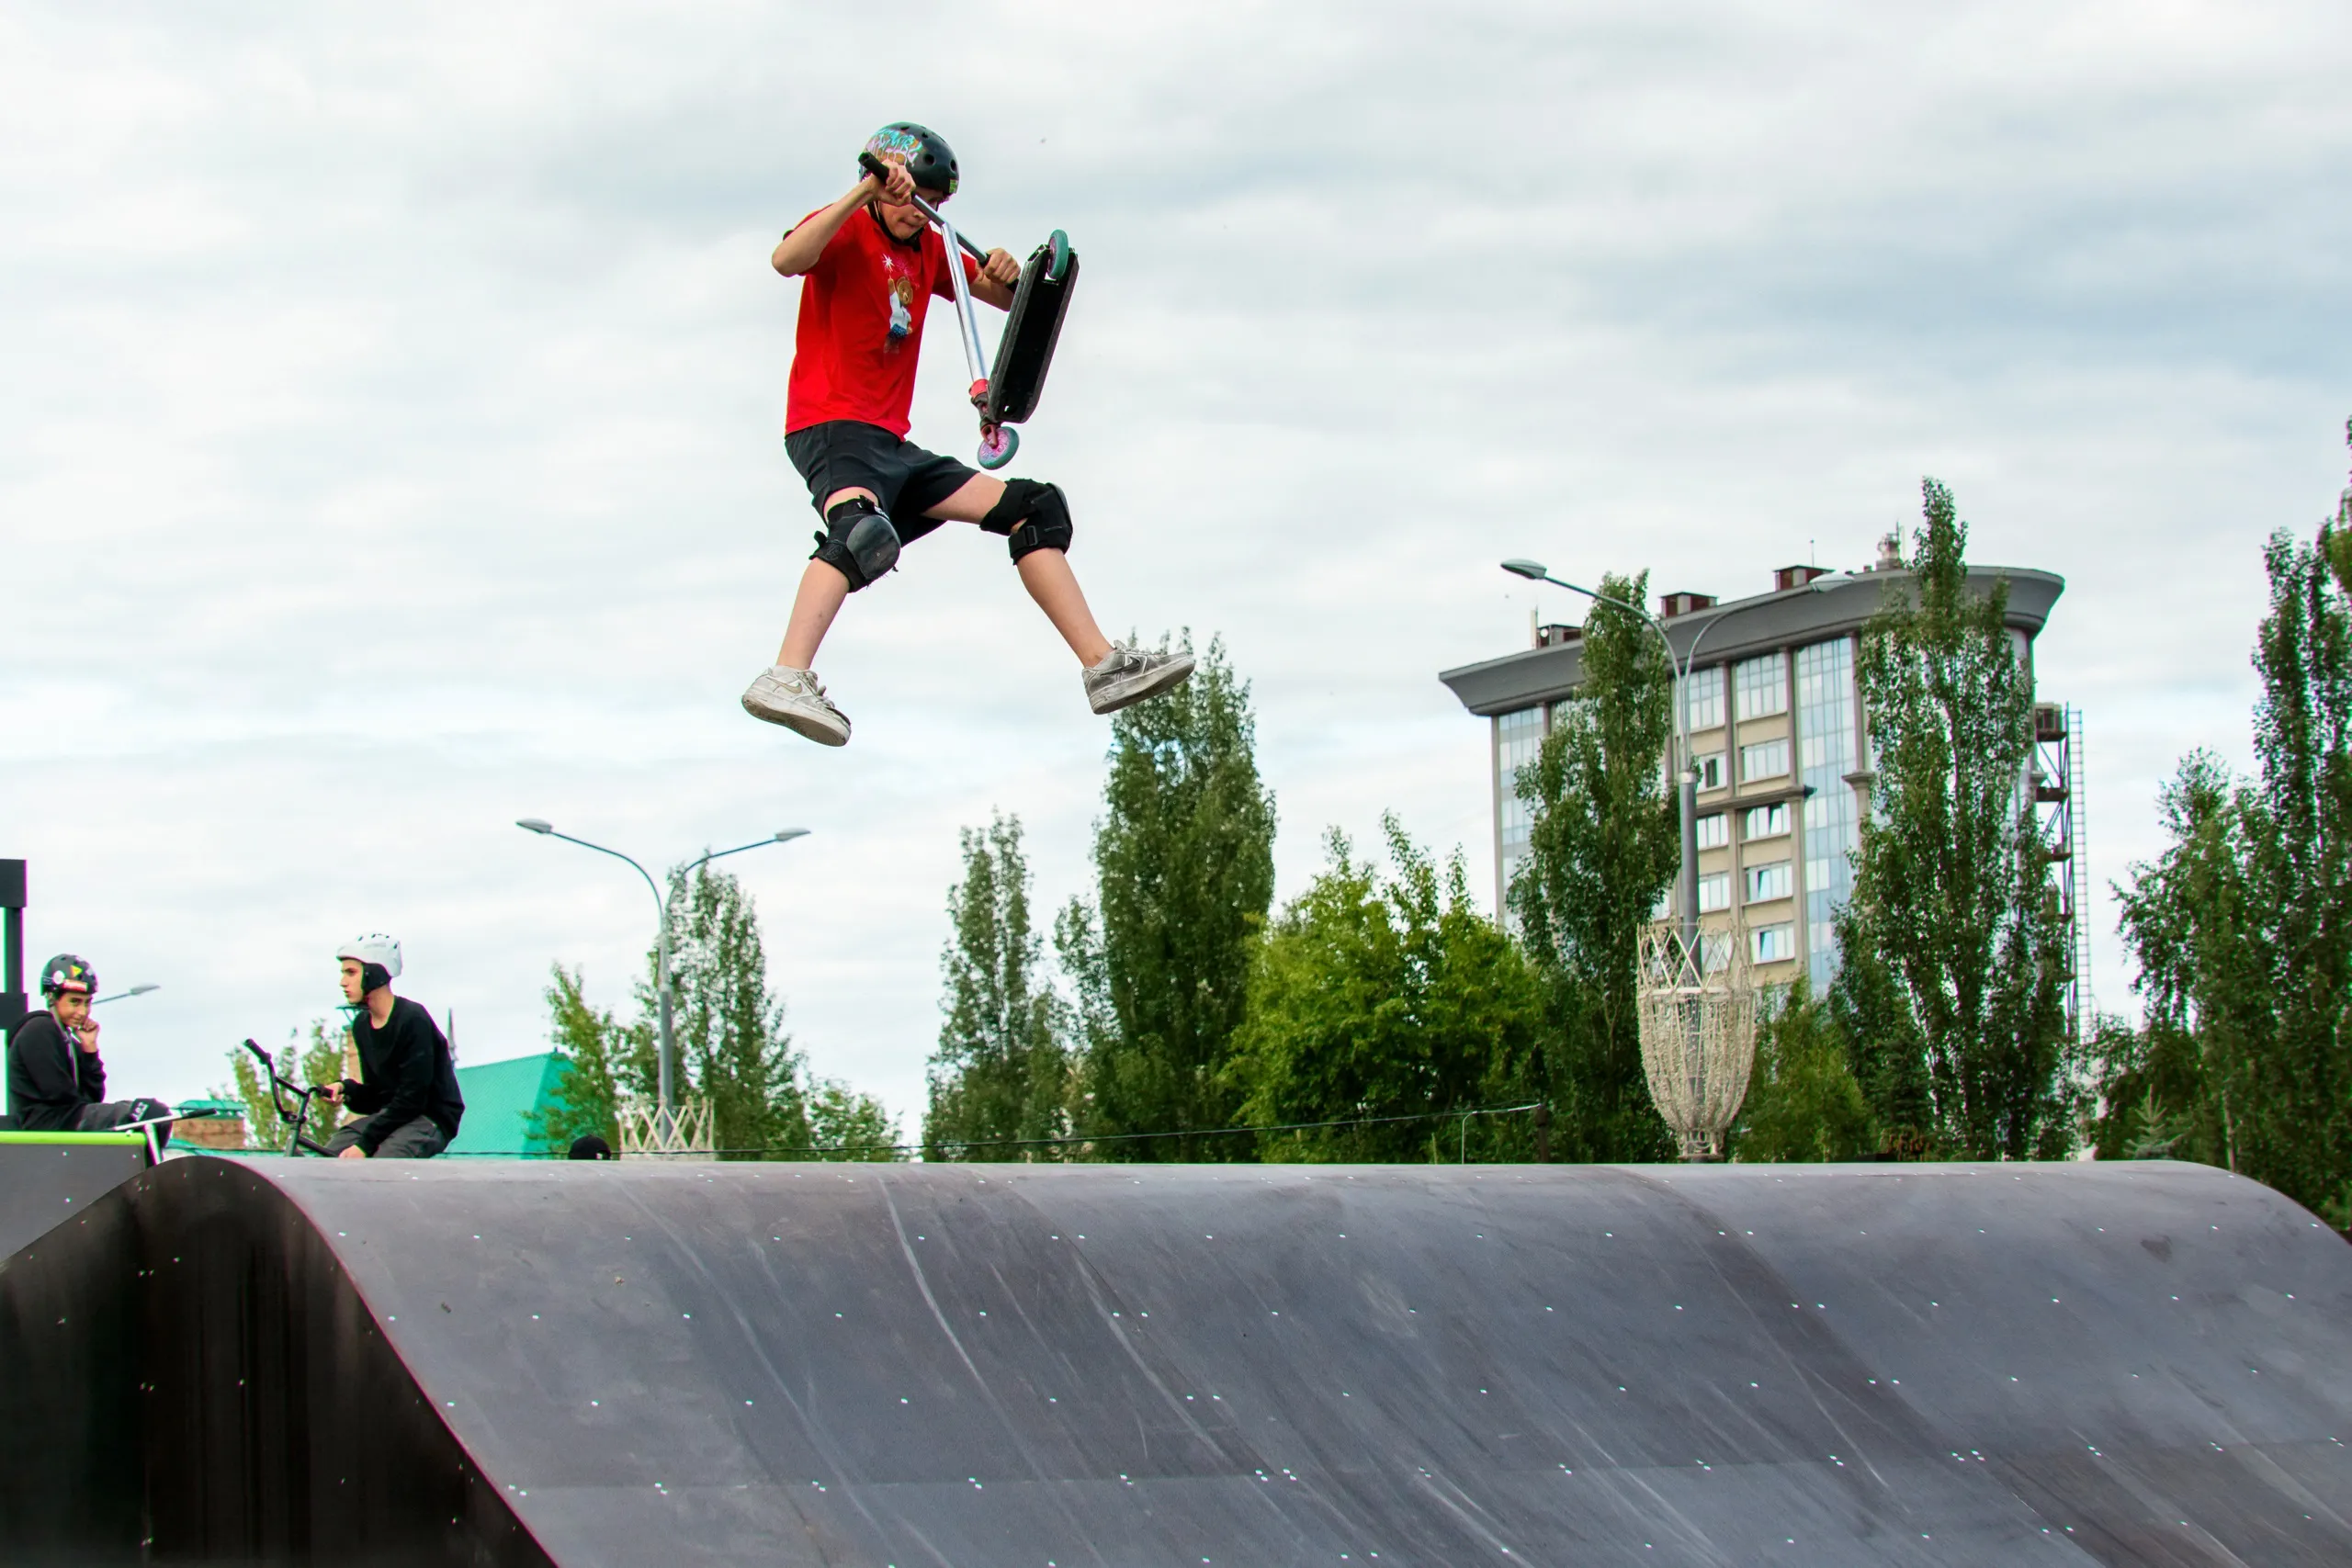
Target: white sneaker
column 796, row 699
column 1128, row 675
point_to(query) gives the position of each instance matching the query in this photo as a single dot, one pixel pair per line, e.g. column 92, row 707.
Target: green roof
column 500, row 1098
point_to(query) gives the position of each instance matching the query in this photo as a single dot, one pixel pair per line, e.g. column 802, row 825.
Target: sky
column 391, row 397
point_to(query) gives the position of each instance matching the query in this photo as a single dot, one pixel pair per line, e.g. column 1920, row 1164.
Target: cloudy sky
column 390, row 399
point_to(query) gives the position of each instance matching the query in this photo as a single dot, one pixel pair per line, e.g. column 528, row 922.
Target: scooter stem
column 975, row 359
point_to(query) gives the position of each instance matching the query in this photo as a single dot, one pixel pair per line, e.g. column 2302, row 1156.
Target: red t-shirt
column 847, row 361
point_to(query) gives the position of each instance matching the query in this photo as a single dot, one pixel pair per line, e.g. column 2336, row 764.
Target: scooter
column 298, row 1121
column 1007, row 395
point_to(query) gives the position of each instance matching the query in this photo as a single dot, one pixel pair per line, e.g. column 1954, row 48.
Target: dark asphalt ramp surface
column 681, row 1365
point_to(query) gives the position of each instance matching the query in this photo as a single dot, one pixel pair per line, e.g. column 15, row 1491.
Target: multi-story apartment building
column 1781, row 741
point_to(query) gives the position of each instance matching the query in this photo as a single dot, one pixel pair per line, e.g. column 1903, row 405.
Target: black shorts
column 907, row 481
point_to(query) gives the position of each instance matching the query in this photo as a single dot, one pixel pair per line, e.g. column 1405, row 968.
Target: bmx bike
column 298, row 1121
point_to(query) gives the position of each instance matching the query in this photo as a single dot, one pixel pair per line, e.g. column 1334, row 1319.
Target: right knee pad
column 858, row 542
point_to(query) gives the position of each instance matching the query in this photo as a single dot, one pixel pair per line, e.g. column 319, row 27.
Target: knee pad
column 1032, row 516
column 858, row 542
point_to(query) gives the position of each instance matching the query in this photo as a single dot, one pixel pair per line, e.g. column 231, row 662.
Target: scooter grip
column 875, row 166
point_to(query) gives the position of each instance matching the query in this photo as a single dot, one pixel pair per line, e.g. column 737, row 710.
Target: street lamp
column 1687, row 884
column 668, row 1055
column 138, row 990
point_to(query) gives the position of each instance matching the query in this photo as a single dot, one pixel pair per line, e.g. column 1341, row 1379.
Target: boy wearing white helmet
column 56, row 1082
column 407, row 1090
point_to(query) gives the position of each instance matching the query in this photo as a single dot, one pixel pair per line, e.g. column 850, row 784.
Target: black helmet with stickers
column 68, row 973
column 930, row 162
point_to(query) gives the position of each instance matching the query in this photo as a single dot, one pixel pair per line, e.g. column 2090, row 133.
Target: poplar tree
column 2243, row 926
column 1603, row 846
column 1953, row 957
column 1184, row 873
column 1001, row 1074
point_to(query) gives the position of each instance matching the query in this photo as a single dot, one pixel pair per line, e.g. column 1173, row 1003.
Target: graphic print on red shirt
column 862, row 309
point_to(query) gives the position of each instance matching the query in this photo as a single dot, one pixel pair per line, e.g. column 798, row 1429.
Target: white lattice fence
column 682, row 1132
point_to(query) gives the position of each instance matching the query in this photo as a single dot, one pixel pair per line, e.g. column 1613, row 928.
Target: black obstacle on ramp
column 47, row 1178
column 987, row 1365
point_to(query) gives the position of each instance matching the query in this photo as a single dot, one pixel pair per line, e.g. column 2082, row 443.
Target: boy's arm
column 800, row 250
column 90, row 1074
column 996, row 282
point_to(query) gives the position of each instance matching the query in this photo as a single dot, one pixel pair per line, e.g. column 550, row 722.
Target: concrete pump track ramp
column 1130, row 1367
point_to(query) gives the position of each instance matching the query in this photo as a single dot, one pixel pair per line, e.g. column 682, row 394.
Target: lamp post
column 1687, row 883
column 138, row 990
column 668, row 1054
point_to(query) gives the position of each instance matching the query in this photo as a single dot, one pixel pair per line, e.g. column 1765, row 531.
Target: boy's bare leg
column 1046, row 573
column 1050, row 581
column 823, row 589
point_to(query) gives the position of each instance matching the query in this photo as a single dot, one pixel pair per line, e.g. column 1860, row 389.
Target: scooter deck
column 1026, row 350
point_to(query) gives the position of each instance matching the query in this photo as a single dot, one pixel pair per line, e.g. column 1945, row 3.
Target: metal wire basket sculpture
column 1698, row 1028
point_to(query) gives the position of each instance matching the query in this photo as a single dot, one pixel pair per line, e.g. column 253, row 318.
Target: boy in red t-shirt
column 872, row 264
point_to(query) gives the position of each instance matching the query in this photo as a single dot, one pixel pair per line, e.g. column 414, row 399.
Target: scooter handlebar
column 881, row 171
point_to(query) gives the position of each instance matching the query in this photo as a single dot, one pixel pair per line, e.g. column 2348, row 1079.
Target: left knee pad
column 858, row 542
column 1032, row 516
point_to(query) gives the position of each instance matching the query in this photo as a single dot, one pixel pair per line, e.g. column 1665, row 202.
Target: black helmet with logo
column 930, row 162
column 68, row 973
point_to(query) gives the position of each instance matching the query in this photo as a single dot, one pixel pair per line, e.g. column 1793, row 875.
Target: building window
column 1518, row 737
column 1714, row 892
column 1765, row 759
column 1766, row 821
column 1705, row 693
column 1710, row 765
column 1828, row 750
column 1715, row 830
column 1714, row 951
column 1772, row 945
column 1765, row 882
column 1763, row 685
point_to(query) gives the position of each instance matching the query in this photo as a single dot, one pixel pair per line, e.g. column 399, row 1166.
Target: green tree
column 1000, row 1071
column 1602, row 849
column 2242, row 927
column 1802, row 1103
column 308, row 1057
column 847, row 1125
column 1380, row 997
column 732, row 1044
column 732, row 1049
column 1954, row 956
column 1184, row 867
column 599, row 1054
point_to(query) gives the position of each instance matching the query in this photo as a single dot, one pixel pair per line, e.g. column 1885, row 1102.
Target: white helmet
column 373, row 948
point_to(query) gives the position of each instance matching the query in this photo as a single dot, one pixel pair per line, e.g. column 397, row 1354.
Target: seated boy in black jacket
column 407, row 1087
column 56, row 1082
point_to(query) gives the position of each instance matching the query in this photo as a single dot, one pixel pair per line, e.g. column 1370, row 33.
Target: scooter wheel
column 1057, row 256
column 997, row 446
